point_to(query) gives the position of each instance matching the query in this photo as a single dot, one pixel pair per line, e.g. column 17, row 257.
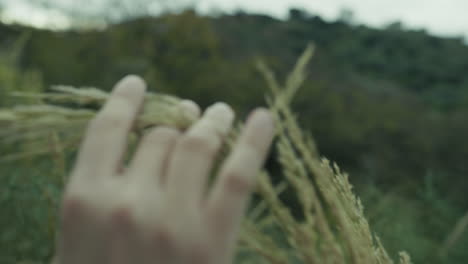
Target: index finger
column 106, row 137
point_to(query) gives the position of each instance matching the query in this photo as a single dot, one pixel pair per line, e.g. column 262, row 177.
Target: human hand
column 158, row 208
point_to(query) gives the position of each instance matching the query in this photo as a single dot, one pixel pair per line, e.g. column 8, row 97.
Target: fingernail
column 190, row 108
column 133, row 81
column 222, row 114
column 261, row 115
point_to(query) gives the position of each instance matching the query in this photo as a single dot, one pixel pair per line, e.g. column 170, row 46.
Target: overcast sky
column 441, row 17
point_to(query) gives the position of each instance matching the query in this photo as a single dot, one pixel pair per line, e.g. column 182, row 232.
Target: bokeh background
column 386, row 97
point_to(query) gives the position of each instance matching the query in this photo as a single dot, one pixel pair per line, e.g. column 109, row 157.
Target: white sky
column 441, row 17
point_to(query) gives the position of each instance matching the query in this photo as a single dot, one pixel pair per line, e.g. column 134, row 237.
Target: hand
column 158, row 208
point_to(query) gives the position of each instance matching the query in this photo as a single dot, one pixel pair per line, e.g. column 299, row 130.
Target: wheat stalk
column 30, row 125
column 333, row 228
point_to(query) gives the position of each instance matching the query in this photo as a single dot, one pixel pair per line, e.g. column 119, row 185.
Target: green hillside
column 390, row 106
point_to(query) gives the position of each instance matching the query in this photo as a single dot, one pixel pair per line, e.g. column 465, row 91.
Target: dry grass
column 333, row 228
column 460, row 228
column 31, row 125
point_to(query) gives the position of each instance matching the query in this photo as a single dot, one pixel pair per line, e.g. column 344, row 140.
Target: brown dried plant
column 332, row 228
column 31, row 125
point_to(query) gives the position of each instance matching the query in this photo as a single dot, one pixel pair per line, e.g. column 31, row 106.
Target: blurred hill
column 390, row 106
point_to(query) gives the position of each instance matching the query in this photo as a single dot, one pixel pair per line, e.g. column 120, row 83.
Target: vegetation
column 388, row 105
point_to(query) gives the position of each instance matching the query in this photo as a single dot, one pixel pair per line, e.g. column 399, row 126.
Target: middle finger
column 194, row 154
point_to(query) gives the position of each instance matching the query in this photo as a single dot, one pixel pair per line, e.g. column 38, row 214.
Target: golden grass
column 332, row 229
column 460, row 228
column 31, row 125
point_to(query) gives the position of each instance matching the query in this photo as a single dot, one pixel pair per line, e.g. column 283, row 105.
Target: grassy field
column 305, row 209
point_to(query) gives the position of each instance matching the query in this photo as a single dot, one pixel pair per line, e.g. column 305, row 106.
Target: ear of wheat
column 30, row 125
column 333, row 228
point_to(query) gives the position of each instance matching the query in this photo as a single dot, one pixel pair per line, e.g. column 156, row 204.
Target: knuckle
column 74, row 207
column 162, row 134
column 199, row 252
column 122, row 212
column 162, row 237
column 199, row 143
column 238, row 182
column 122, row 217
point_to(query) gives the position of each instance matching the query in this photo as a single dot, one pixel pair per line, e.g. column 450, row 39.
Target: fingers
column 194, row 154
column 191, row 108
column 229, row 196
column 151, row 158
column 106, row 137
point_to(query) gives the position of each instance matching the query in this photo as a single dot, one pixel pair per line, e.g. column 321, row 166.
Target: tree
column 298, row 14
column 347, row 16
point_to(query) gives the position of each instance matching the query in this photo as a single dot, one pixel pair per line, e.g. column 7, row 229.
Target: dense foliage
column 390, row 106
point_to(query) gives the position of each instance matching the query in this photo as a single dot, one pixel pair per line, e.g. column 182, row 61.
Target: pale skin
column 158, row 208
